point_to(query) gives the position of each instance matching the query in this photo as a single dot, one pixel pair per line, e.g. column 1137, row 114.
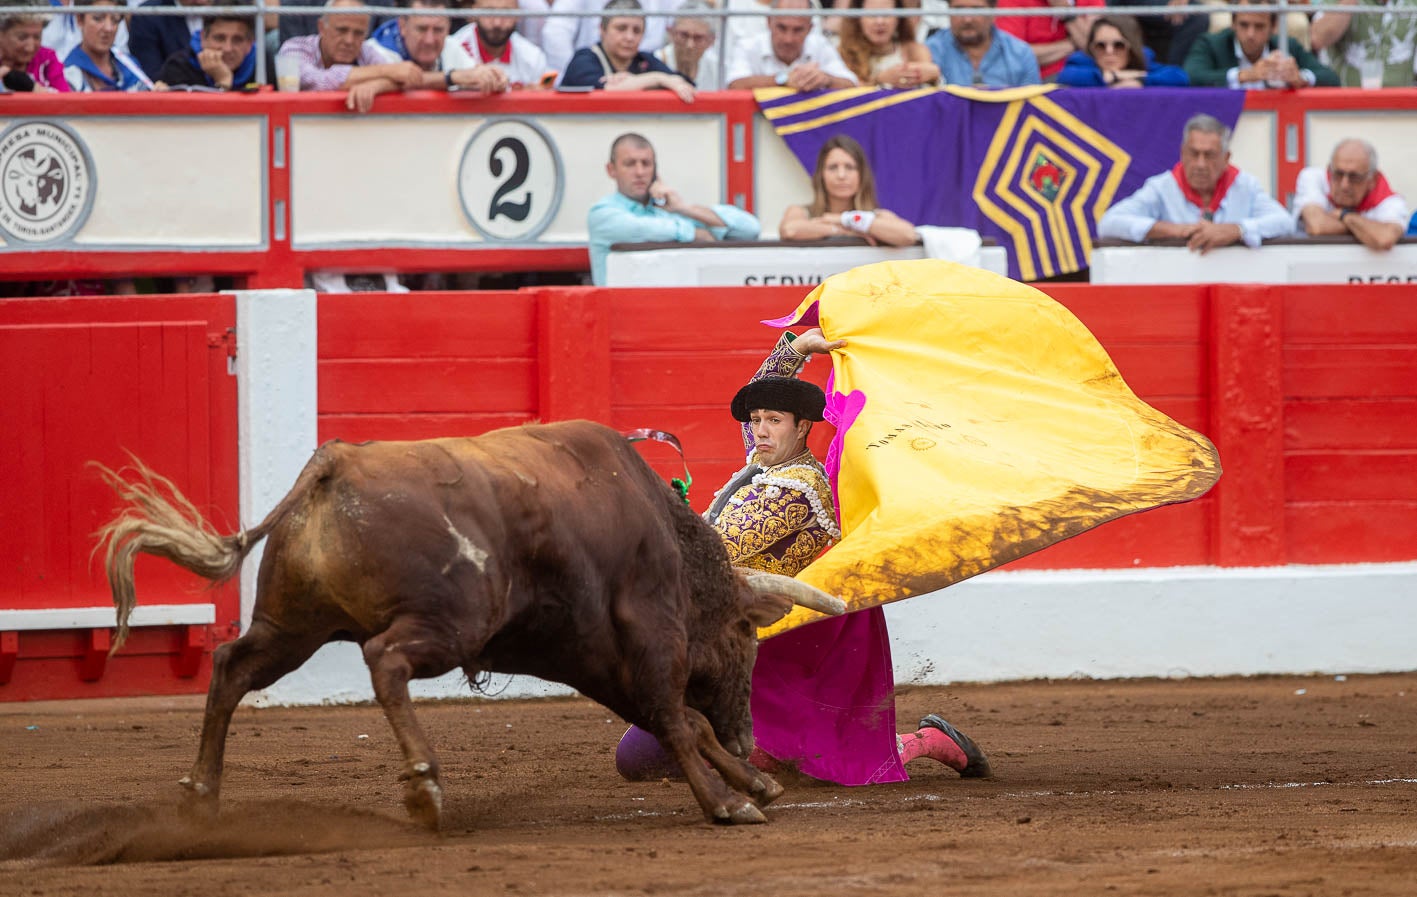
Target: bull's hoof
column 765, row 790
column 199, row 801
column 746, row 814
column 423, row 798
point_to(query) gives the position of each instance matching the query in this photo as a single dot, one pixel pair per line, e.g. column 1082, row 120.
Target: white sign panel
column 510, row 180
column 772, row 264
column 46, row 182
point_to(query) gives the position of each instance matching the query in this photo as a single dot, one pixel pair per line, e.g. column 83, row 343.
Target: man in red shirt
column 1051, row 38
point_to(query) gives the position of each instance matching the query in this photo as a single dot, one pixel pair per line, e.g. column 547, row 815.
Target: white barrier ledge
column 1102, row 624
column 1289, row 260
column 757, row 263
column 106, row 617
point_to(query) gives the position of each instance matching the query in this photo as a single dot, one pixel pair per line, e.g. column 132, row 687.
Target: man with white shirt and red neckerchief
column 494, row 41
column 1203, row 200
column 1351, row 196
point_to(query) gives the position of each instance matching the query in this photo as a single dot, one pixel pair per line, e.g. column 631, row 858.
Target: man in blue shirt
column 972, row 52
column 643, row 209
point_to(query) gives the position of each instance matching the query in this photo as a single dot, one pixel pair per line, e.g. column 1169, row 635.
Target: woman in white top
column 844, row 202
column 882, row 50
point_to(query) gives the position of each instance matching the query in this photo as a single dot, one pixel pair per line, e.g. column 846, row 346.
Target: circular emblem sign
column 510, row 180
column 46, row 182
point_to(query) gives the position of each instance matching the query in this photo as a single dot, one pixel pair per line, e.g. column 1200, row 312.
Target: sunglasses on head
column 1103, row 46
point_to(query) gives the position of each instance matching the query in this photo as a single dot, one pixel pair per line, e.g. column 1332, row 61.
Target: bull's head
column 721, row 680
column 34, row 182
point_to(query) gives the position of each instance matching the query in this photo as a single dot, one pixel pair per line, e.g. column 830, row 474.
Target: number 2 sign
column 510, row 180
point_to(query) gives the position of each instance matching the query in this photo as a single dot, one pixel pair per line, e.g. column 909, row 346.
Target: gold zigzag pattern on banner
column 1093, row 158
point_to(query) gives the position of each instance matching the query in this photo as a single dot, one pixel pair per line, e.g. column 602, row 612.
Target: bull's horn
column 801, row 594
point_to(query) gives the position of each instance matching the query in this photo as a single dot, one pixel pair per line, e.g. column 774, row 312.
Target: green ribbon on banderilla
column 669, row 439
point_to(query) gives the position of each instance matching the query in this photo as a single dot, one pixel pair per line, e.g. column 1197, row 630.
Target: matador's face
column 777, row 435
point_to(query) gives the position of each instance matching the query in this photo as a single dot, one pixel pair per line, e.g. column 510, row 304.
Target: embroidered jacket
column 776, row 519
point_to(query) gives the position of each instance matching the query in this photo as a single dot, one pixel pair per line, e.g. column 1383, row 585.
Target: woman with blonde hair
column 882, row 50
column 844, row 202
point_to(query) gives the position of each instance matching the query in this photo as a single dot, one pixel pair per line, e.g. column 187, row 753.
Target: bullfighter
column 823, row 695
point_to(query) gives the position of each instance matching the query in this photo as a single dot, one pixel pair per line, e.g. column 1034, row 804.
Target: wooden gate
column 95, row 379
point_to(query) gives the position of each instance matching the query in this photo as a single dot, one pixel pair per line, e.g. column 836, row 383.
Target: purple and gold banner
column 1033, row 167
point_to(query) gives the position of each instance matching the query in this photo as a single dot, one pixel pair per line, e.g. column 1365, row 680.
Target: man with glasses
column 1350, row 196
column 1203, row 200
column 972, row 51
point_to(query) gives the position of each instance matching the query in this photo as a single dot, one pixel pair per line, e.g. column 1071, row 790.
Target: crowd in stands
column 94, row 45
column 636, row 45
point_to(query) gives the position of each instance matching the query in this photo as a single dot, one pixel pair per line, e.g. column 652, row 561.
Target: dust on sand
column 1268, row 787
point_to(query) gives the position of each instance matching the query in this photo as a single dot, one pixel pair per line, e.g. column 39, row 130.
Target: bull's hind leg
column 255, row 660
column 400, row 653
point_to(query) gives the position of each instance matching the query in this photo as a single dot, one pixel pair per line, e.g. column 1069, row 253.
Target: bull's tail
column 158, row 519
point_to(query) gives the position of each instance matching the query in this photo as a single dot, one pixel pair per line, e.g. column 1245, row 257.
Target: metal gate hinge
column 227, row 340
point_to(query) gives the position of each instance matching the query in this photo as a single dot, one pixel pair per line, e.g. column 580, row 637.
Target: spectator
column 1117, row 57
column 446, row 64
column 22, row 50
column 338, row 57
column 1246, row 56
column 791, row 55
column 1204, row 200
column 1381, row 45
column 152, row 39
column 61, row 33
column 690, row 51
column 493, row 40
column 1351, row 196
column 883, row 51
column 221, row 55
column 644, row 209
column 844, row 201
column 564, row 36
column 616, row 64
column 1052, row 39
column 1170, row 37
column 96, row 64
column 299, row 26
column 973, row 51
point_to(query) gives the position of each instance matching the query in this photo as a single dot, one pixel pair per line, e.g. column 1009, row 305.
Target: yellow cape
column 991, row 424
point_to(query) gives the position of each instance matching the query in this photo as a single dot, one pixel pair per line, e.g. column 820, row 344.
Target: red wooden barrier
column 1310, row 393
column 92, row 379
column 1296, row 386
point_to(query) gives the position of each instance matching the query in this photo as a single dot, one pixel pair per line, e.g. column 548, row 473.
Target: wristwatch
column 781, row 79
column 448, row 80
column 1343, row 214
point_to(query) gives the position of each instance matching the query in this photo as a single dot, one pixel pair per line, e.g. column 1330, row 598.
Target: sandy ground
column 1258, row 787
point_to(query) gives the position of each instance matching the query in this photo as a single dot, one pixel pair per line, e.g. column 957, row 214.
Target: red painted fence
column 1309, row 392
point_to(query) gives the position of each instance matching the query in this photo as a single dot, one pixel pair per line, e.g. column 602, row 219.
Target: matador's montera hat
column 798, row 397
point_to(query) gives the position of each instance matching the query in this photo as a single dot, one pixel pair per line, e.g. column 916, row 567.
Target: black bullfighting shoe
column 978, row 765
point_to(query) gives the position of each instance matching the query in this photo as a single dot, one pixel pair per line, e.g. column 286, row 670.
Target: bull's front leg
column 741, row 775
column 719, row 802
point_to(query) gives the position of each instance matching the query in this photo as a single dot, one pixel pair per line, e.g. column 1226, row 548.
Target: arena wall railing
column 267, row 187
column 1302, row 559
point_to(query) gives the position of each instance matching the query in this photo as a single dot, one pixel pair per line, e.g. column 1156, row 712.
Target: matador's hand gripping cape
column 977, row 421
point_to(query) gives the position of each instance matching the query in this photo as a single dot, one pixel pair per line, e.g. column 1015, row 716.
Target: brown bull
column 550, row 550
